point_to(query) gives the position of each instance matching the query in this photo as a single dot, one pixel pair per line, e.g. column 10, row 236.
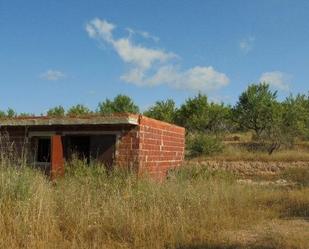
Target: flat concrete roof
column 124, row 118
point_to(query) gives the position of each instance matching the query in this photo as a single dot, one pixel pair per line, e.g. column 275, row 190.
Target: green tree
column 291, row 120
column 193, row 114
column 162, row 110
column 198, row 115
column 302, row 105
column 57, row 111
column 288, row 124
column 219, row 118
column 2, row 114
column 255, row 109
column 120, row 104
column 78, row 110
column 10, row 113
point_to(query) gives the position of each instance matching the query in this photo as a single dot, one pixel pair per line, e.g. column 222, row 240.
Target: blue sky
column 69, row 52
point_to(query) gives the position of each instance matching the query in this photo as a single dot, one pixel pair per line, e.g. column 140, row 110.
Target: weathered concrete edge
column 132, row 120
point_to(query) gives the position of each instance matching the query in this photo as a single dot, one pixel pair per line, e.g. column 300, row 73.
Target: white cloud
column 52, row 75
column 197, row 78
column 151, row 67
column 204, row 77
column 129, row 52
column 144, row 34
column 100, row 28
column 276, row 79
column 140, row 56
column 246, row 44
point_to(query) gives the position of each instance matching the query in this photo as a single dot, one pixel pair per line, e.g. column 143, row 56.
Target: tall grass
column 232, row 152
column 92, row 208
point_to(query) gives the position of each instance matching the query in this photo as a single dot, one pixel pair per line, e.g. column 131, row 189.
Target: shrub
column 203, row 145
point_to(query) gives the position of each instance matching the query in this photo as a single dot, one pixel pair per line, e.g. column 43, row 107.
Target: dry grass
column 242, row 147
column 193, row 209
column 232, row 152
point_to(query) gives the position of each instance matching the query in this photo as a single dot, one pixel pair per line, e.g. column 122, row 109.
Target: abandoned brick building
column 122, row 140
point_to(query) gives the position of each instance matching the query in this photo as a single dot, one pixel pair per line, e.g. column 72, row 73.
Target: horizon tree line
column 257, row 109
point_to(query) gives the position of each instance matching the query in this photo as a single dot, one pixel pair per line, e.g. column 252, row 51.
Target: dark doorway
column 102, row 149
column 43, row 152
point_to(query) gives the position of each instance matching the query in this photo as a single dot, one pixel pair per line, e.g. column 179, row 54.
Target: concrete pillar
column 57, row 161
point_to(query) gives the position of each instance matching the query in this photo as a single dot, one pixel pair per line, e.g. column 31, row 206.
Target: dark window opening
column 79, row 146
column 95, row 148
column 44, row 147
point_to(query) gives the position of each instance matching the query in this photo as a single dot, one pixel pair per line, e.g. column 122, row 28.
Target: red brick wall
column 153, row 146
column 161, row 147
column 14, row 140
column 127, row 148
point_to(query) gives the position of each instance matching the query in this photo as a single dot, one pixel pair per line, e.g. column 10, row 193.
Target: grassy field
column 243, row 147
column 247, row 149
column 232, row 152
column 193, row 209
